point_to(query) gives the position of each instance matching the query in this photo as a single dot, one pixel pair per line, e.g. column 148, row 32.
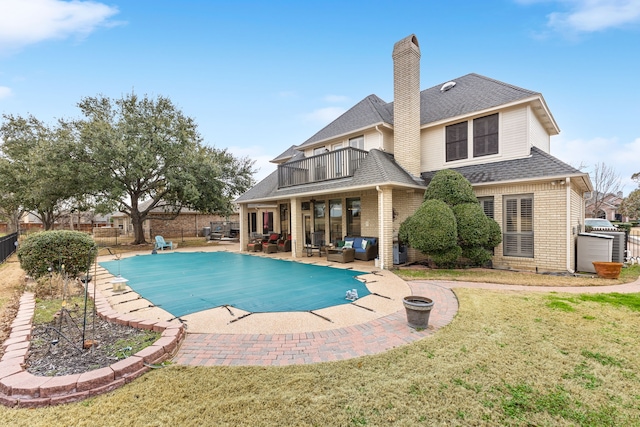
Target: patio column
column 297, row 239
column 244, row 227
column 385, row 227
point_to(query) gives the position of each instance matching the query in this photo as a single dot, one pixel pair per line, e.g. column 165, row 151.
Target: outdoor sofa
column 366, row 248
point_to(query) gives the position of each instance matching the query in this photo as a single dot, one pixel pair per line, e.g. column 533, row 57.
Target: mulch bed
column 57, row 348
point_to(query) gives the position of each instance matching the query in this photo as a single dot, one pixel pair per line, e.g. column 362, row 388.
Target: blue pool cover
column 185, row 283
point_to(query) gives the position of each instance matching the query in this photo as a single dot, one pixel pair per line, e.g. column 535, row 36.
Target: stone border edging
column 21, row 389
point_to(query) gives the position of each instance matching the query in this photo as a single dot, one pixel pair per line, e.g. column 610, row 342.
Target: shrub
column 450, row 187
column 432, row 228
column 455, row 226
column 473, row 224
column 53, row 249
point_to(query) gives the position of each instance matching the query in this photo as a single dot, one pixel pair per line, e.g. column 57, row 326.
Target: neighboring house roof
column 538, row 165
column 471, row 93
column 377, row 168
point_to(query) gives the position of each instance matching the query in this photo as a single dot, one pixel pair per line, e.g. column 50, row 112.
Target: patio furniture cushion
column 366, row 248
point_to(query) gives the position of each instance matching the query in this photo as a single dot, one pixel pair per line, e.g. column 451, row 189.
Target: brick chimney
column 406, row 104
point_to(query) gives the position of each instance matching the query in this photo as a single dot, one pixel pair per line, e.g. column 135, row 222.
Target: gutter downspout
column 381, row 138
column 382, row 246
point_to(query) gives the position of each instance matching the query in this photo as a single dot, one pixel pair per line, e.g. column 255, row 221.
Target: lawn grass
column 628, row 274
column 511, row 358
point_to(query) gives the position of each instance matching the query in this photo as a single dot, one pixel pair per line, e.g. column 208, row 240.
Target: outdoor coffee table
column 341, row 255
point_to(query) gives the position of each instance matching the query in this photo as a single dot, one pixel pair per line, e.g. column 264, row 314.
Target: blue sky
column 260, row 76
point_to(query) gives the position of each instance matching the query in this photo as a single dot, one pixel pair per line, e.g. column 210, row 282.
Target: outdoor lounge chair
column 284, row 245
column 271, row 245
column 161, row 244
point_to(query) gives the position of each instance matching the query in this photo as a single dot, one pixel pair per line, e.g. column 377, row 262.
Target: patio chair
column 162, row 244
column 284, row 245
column 271, row 245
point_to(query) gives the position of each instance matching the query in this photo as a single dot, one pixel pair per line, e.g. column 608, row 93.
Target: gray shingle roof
column 365, row 113
column 538, row 165
column 288, row 154
column 471, row 93
column 376, row 169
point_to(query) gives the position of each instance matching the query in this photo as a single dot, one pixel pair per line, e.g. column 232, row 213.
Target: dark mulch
column 57, row 347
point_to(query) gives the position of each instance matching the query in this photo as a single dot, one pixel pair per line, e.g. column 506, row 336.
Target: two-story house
column 365, row 173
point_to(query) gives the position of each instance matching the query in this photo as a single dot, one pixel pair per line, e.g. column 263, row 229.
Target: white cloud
column 25, row 22
column 622, row 157
column 5, row 92
column 336, row 98
column 586, row 16
column 324, row 115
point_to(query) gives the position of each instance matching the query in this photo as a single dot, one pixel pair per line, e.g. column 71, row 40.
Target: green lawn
column 508, row 358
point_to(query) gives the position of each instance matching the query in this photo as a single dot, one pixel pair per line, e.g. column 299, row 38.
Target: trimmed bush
column 53, row 249
column 450, row 187
column 473, row 225
column 432, row 228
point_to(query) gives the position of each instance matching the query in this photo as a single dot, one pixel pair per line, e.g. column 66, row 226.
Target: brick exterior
column 553, row 250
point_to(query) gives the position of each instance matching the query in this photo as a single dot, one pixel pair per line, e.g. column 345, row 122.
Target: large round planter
column 608, row 270
column 418, row 310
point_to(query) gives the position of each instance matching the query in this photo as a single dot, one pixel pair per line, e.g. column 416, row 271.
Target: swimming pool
column 185, row 283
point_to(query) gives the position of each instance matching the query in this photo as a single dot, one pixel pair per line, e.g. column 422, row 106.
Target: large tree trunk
column 137, row 219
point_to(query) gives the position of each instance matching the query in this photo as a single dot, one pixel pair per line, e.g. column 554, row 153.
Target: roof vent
column 448, row 85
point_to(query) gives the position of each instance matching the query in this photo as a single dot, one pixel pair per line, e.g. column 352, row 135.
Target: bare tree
column 606, row 181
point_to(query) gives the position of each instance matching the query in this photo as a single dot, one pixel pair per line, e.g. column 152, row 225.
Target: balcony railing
column 322, row 167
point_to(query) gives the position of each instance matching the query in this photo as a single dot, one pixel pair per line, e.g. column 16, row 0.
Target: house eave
column 354, row 132
column 345, row 189
column 586, row 183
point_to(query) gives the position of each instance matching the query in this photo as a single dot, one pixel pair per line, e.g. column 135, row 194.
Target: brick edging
column 21, row 389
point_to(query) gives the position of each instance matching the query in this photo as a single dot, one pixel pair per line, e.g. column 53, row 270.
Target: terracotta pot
column 608, row 270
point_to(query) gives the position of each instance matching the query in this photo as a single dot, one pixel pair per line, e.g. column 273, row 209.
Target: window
column 335, row 220
column 284, row 219
column 456, row 141
column 320, row 163
column 485, row 136
column 253, row 222
column 353, row 217
column 357, row 142
column 518, row 226
column 487, row 206
column 319, row 208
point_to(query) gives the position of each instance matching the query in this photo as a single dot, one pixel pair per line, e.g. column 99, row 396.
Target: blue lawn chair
column 161, row 244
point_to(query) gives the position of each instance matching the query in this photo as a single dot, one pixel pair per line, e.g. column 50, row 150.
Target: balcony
column 322, row 167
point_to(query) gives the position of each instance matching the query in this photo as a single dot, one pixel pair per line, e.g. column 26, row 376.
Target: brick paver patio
column 364, row 339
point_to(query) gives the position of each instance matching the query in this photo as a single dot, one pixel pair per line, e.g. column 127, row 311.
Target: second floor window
column 485, row 135
column 357, row 142
column 456, row 141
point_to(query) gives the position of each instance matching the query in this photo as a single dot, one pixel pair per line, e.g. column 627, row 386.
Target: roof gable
column 369, row 111
column 471, row 93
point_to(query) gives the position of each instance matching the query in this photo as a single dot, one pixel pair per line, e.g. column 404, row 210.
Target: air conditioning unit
column 619, row 244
